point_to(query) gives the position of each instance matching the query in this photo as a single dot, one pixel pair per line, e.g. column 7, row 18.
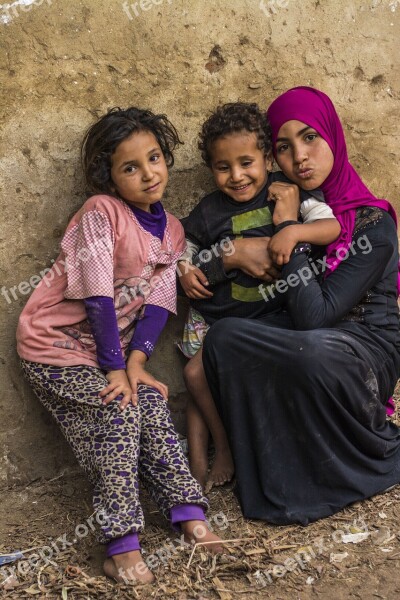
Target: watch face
column 302, row 248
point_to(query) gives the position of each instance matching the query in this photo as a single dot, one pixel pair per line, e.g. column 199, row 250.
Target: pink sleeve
column 88, row 247
column 163, row 292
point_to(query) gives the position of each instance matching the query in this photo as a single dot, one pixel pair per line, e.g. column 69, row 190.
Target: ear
column 268, row 161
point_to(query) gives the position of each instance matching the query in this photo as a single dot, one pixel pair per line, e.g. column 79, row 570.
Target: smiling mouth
column 240, row 188
column 153, row 188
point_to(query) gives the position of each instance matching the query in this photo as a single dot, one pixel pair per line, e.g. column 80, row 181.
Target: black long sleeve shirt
column 362, row 289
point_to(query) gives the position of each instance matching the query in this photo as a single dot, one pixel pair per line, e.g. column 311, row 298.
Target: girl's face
column 138, row 170
column 239, row 167
column 303, row 155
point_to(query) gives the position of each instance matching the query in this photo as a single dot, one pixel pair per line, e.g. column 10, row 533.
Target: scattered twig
column 221, row 542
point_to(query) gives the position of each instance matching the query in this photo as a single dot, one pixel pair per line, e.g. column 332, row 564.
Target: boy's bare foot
column 198, row 532
column 128, row 567
column 222, row 469
column 199, row 467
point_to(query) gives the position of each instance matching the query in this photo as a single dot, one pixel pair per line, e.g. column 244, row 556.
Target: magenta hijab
column 343, row 189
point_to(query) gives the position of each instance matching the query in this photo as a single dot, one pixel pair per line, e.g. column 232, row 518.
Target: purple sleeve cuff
column 103, row 322
column 148, row 329
column 186, row 512
column 126, row 543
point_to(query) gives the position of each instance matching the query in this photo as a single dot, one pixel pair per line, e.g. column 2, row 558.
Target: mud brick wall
column 65, row 63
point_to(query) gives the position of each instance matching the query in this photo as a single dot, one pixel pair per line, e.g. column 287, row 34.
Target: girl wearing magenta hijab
column 303, row 393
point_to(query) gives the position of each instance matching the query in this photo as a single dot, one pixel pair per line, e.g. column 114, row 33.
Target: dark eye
column 130, row 169
column 154, row 157
column 247, row 163
column 282, row 148
column 222, row 168
column 311, row 136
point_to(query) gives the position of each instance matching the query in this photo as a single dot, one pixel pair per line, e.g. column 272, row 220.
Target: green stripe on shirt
column 249, row 294
column 251, row 220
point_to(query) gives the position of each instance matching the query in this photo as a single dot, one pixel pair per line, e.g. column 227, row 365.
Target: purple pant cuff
column 126, row 543
column 186, row 512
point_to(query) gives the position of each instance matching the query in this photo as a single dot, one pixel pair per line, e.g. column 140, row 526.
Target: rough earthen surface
column 65, row 63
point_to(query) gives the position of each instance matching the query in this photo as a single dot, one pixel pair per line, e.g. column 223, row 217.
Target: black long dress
column 302, row 393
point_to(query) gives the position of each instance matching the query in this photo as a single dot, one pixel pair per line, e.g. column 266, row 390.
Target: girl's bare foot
column 222, row 469
column 198, row 532
column 128, row 567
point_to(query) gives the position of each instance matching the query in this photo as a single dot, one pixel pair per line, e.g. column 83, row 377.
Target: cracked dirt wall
column 65, row 63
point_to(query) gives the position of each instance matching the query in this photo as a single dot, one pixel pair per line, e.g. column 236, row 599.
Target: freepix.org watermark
column 170, row 548
column 271, row 7
column 317, row 548
column 136, row 8
column 44, row 555
column 143, row 288
column 306, row 274
column 60, row 267
column 225, row 247
column 12, row 10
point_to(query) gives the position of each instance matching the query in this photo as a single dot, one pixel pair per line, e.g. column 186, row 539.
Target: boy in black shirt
column 236, row 145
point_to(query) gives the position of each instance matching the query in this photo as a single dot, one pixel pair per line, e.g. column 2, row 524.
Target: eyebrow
column 246, row 156
column 282, row 139
column 129, row 162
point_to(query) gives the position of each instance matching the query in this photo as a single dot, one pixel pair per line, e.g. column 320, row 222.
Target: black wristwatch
column 301, row 248
column 285, row 224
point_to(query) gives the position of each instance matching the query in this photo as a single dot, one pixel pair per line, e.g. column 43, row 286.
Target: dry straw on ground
column 326, row 566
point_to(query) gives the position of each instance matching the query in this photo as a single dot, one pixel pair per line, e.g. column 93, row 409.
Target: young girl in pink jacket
column 92, row 323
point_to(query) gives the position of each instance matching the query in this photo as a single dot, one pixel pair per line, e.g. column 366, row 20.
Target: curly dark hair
column 234, row 117
column 102, row 138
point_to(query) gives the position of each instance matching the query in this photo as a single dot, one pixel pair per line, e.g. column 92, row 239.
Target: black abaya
column 305, row 409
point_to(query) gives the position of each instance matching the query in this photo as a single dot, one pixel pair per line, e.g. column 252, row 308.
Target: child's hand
column 193, row 281
column 287, row 201
column 138, row 374
column 282, row 244
column 252, row 256
column 118, row 383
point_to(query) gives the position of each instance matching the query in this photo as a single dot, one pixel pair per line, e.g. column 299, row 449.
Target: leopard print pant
column 116, row 448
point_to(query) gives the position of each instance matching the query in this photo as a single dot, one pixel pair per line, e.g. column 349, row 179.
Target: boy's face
column 239, row 167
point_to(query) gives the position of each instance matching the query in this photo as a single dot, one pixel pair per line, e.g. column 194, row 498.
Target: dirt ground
column 62, row 65
column 354, row 554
